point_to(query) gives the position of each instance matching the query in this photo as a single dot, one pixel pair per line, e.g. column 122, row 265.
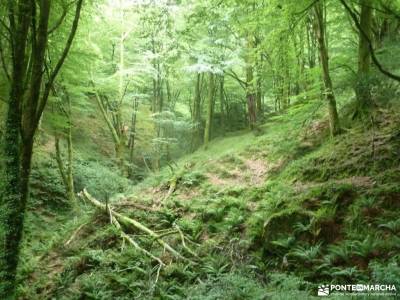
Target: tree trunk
column 210, row 104
column 66, row 170
column 11, row 197
column 250, row 88
column 159, row 109
column 115, row 132
column 132, row 135
column 363, row 93
column 258, row 82
column 259, row 92
column 70, row 172
column 324, row 58
column 196, row 136
column 22, row 120
column 222, row 104
column 11, row 208
column 60, row 164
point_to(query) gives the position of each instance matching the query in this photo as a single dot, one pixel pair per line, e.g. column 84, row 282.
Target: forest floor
column 270, row 215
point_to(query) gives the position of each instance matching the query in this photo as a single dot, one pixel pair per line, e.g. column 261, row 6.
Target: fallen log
column 138, row 206
column 131, row 241
column 116, row 217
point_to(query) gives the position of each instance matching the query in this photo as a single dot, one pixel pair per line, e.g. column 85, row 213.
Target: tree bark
column 210, row 104
column 66, row 170
column 324, row 59
column 12, row 200
column 115, row 130
column 196, row 115
column 222, row 104
column 132, row 135
column 363, row 90
column 23, row 117
column 250, row 86
column 60, row 163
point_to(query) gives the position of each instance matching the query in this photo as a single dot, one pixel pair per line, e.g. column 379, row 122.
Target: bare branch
column 232, row 74
column 61, row 19
column 371, row 48
column 3, row 24
column 4, row 63
column 61, row 61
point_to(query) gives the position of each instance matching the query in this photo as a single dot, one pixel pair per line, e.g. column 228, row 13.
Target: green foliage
column 306, row 253
column 229, row 286
column 46, row 186
column 192, row 179
column 386, row 273
column 392, row 226
column 313, row 209
column 101, row 180
column 282, row 286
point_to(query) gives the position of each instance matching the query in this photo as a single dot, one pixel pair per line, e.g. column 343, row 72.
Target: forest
column 199, row 149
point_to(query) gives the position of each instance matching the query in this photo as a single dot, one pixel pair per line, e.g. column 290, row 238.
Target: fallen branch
column 172, row 187
column 131, row 241
column 183, row 241
column 121, row 218
column 74, row 234
column 138, row 206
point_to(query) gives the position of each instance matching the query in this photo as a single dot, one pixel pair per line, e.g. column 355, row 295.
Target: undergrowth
column 319, row 211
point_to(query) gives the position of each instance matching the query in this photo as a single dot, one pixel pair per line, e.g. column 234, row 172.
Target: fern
column 285, row 243
column 392, row 226
column 300, row 227
column 366, row 247
column 340, row 251
column 306, row 254
column 347, row 272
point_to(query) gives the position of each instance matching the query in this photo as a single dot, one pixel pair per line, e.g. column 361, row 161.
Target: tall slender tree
column 251, row 90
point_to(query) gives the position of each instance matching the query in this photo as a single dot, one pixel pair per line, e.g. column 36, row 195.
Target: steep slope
column 265, row 216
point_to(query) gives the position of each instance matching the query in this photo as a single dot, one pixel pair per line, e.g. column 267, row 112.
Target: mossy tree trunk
column 116, row 131
column 132, row 134
column 196, row 114
column 258, row 81
column 12, row 199
column 222, row 104
column 251, row 91
column 363, row 90
column 210, row 104
column 23, row 117
column 66, row 169
column 324, row 60
column 311, row 42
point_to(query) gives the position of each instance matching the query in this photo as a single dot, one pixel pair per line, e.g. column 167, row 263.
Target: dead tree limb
column 129, row 221
column 130, row 240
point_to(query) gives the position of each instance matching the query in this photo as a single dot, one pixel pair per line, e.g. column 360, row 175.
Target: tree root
column 116, row 218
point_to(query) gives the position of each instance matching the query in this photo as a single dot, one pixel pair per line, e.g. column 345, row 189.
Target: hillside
column 262, row 216
column 199, row 149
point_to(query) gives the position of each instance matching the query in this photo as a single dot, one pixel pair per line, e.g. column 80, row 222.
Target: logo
column 363, row 289
column 323, row 290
